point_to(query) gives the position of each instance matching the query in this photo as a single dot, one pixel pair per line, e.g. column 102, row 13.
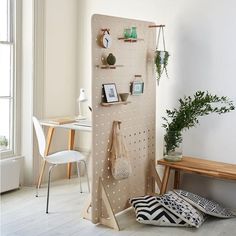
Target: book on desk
column 68, row 120
column 61, row 120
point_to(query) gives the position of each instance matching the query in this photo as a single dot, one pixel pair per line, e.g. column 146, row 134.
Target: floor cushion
column 182, row 209
column 207, row 206
column 149, row 211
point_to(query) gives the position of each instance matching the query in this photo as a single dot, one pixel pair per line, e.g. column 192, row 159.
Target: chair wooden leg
column 48, row 144
column 165, row 180
column 70, row 147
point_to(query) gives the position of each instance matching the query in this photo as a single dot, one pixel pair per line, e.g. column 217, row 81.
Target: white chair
column 62, row 157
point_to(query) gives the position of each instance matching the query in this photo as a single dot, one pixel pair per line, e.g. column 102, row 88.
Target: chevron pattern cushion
column 149, row 211
column 182, row 209
column 207, row 206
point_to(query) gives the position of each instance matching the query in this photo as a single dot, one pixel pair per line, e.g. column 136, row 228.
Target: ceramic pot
column 111, row 59
column 124, row 96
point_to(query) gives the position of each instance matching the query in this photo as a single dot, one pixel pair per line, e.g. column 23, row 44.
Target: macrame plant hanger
column 162, row 56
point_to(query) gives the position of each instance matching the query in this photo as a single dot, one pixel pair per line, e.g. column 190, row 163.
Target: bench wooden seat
column 209, row 168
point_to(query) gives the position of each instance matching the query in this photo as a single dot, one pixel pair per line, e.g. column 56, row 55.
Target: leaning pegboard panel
column 137, row 117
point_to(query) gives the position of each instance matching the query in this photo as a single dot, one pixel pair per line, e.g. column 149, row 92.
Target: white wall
column 200, row 37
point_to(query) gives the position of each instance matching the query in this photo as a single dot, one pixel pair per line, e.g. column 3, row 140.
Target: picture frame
column 137, row 87
column 110, row 92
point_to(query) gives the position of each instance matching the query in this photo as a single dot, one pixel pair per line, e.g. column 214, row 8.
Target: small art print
column 110, row 92
column 137, row 87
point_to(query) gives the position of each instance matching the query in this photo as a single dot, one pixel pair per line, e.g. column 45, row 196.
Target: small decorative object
column 82, row 98
column 161, row 57
column 111, row 59
column 106, row 38
column 127, row 33
column 178, row 120
column 120, row 165
column 137, row 86
column 133, row 32
column 124, row 96
column 110, row 92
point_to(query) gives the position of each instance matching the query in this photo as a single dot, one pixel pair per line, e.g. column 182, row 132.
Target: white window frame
column 15, row 41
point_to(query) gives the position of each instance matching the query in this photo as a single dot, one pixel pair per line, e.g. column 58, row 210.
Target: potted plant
column 186, row 116
column 161, row 62
column 161, row 56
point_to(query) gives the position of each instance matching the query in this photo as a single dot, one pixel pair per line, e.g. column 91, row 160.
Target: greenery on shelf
column 161, row 63
column 190, row 109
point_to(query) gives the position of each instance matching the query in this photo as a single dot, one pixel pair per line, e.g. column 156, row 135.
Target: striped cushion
column 149, row 211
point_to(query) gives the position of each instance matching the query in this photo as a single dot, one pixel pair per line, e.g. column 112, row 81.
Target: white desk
column 82, row 125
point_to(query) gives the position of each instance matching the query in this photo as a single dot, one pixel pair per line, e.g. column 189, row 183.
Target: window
column 8, row 78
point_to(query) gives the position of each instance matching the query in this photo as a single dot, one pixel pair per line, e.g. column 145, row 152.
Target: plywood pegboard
column 137, row 117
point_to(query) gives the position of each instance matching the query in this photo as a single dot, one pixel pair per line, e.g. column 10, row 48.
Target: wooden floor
column 23, row 214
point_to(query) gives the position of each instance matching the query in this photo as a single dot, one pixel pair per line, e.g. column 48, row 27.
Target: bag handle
column 115, row 142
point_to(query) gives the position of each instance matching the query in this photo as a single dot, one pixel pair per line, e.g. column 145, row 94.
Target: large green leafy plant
column 186, row 116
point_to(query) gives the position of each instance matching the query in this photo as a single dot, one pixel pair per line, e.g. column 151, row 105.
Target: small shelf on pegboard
column 130, row 40
column 108, row 66
column 108, row 104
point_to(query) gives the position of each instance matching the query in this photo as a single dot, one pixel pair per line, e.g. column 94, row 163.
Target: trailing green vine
column 161, row 66
column 190, row 109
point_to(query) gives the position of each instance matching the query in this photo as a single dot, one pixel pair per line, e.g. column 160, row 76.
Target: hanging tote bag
column 120, row 165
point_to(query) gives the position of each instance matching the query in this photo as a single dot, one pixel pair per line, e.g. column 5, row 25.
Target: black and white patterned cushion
column 207, row 206
column 182, row 209
column 149, row 211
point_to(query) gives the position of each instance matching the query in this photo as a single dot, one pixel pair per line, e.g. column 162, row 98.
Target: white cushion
column 207, row 206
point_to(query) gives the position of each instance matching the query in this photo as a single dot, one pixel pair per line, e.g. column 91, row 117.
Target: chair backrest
column 40, row 136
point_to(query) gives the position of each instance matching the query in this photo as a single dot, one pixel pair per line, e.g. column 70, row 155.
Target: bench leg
column 165, row 180
column 177, row 179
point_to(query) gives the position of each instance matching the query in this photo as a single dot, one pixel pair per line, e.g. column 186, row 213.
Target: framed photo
column 110, row 92
column 137, row 87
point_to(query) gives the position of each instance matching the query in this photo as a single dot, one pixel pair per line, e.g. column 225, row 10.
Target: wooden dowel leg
column 177, row 179
column 165, row 180
column 48, row 144
column 41, row 174
column 70, row 147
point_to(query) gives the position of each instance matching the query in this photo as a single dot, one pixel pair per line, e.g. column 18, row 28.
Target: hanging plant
column 161, row 57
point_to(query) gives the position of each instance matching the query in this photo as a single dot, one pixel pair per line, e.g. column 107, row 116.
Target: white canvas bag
column 120, row 165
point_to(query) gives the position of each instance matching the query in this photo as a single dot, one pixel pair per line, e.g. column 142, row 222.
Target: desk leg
column 70, row 147
column 165, row 180
column 48, row 143
column 177, row 179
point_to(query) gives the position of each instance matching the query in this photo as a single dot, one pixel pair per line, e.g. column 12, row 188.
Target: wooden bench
column 213, row 169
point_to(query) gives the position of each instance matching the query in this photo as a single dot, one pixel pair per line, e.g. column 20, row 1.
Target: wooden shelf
column 108, row 104
column 108, row 66
column 130, row 40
